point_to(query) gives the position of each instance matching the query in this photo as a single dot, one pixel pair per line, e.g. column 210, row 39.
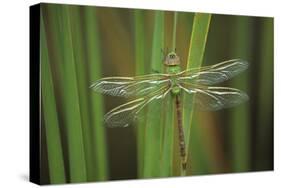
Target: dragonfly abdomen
column 181, row 132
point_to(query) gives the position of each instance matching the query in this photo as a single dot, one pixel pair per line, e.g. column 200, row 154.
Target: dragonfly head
column 172, row 59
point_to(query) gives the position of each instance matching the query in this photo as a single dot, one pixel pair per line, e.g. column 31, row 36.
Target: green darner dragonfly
column 196, row 83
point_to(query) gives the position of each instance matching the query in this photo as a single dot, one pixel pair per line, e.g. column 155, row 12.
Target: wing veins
column 130, row 86
column 122, row 115
column 214, row 98
column 213, row 74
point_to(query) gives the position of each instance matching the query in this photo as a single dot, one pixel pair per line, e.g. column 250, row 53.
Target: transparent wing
column 125, row 114
column 215, row 98
column 213, row 74
column 130, row 86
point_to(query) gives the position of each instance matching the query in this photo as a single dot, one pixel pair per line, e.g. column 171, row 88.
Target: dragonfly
column 196, row 83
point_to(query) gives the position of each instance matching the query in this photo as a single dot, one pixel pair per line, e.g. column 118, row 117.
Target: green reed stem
column 93, row 57
column 198, row 41
column 264, row 150
column 167, row 151
column 61, row 47
column 140, row 70
column 175, row 31
column 83, row 88
column 239, row 121
column 53, row 139
column 153, row 126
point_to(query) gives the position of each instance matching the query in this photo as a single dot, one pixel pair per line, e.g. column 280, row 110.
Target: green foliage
column 198, row 41
column 65, row 65
column 175, row 30
column 167, row 152
column 93, row 66
column 140, row 70
column 51, row 124
column 264, row 145
column 239, row 120
column 153, row 128
column 82, row 134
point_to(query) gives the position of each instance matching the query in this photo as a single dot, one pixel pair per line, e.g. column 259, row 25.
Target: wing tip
column 115, row 124
column 243, row 62
column 245, row 97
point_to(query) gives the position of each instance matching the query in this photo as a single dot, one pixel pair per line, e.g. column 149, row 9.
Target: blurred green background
column 80, row 44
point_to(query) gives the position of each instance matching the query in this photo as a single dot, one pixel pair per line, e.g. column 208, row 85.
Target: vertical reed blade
column 239, row 120
column 198, row 41
column 94, row 70
column 153, row 130
column 140, row 70
column 50, row 116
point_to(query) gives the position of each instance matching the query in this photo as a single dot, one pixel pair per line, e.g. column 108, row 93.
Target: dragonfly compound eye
column 172, row 56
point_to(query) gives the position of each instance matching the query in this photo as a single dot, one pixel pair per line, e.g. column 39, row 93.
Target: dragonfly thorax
column 174, row 86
